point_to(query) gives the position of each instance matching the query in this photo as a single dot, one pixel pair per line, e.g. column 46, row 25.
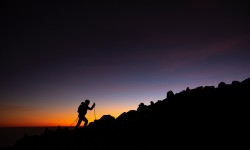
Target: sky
column 117, row 54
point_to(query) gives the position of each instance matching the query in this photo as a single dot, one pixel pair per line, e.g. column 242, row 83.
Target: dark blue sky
column 118, row 54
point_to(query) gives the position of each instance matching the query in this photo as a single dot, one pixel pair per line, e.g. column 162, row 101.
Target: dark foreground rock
column 203, row 118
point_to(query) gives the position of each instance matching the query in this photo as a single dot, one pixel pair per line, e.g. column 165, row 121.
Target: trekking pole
column 74, row 121
column 94, row 113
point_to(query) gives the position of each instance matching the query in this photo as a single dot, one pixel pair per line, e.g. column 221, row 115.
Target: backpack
column 80, row 108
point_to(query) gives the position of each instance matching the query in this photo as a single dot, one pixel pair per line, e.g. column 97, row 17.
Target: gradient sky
column 117, row 54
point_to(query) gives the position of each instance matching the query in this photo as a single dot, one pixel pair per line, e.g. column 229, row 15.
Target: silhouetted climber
column 82, row 111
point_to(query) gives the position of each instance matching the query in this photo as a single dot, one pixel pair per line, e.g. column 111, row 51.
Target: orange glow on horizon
column 55, row 116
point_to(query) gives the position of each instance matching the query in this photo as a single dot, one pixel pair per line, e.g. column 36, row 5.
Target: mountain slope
column 202, row 118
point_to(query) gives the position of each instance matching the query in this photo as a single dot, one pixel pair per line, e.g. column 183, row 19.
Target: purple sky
column 117, row 54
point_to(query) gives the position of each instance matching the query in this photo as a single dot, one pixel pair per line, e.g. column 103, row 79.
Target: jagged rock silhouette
column 201, row 118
